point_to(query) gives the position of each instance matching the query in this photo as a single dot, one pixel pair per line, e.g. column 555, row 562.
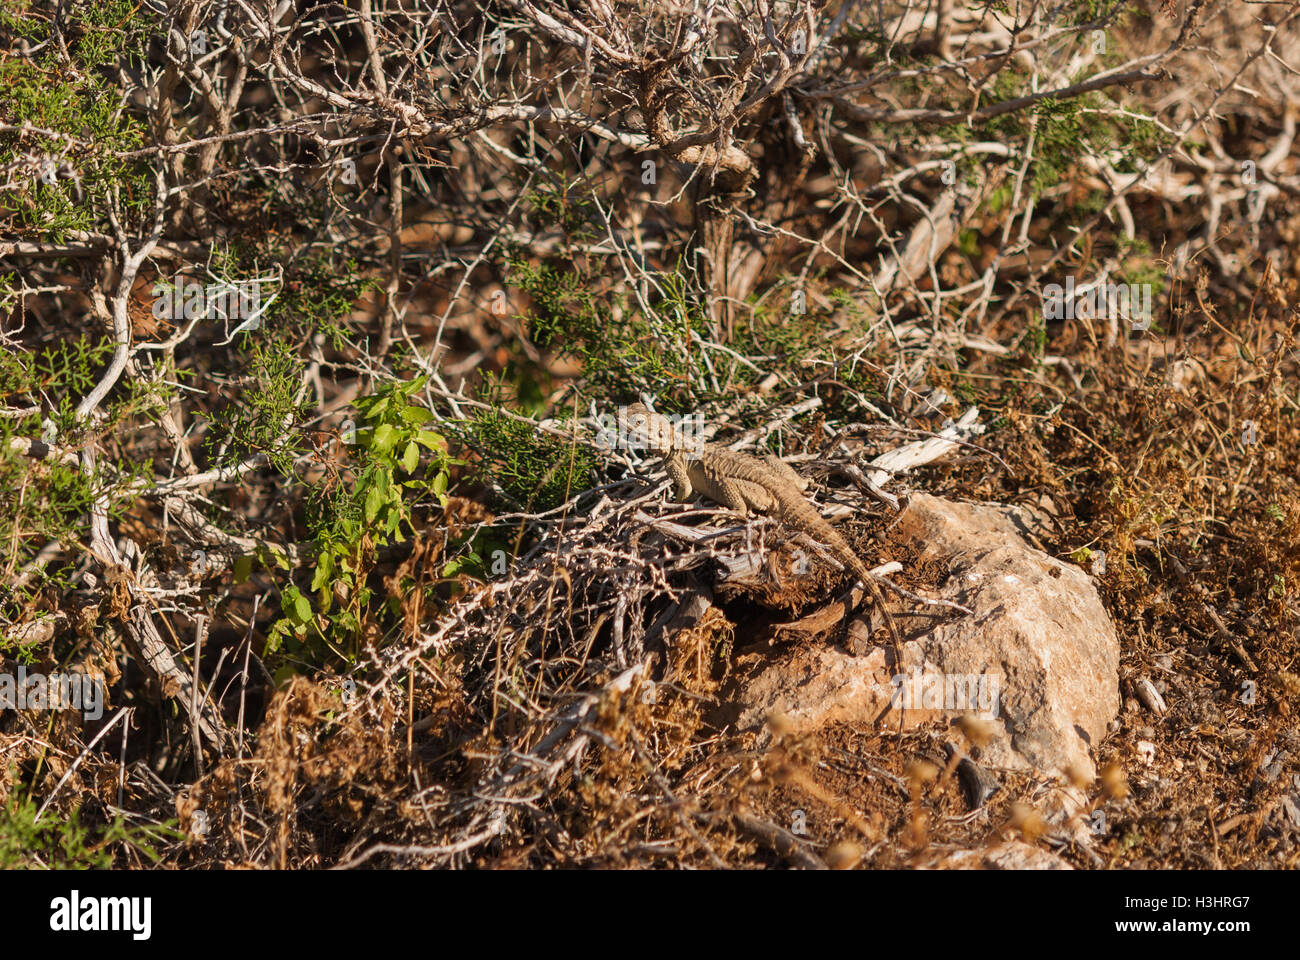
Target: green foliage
column 1138, row 267
column 400, row 465
column 49, row 498
column 314, row 295
column 488, row 555
column 621, row 351
column 566, row 205
column 318, row 296
column 264, row 410
column 624, row 345
column 531, row 469
column 1096, row 11
column 1064, row 131
column 78, row 115
column 1059, row 137
column 1143, row 141
column 1028, row 351
column 51, row 843
column 265, row 416
column 784, row 337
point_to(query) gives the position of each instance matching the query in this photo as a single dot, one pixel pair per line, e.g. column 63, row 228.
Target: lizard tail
column 803, row 515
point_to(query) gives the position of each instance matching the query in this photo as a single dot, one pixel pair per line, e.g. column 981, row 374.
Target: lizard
column 747, row 484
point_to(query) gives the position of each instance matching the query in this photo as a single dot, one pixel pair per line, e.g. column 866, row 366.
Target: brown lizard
column 746, row 484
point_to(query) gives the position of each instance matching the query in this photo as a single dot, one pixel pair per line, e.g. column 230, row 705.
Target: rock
column 1011, row 855
column 1038, row 625
column 977, row 782
column 1069, row 817
column 1038, row 658
column 817, row 685
column 1150, row 697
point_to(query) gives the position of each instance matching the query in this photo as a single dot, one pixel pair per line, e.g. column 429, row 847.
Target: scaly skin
column 746, row 484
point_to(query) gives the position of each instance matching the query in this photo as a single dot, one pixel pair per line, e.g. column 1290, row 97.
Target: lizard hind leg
column 785, row 470
column 731, row 496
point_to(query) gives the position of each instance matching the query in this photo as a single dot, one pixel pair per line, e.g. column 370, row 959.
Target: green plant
column 529, row 469
column 391, row 475
column 568, row 206
column 317, row 294
column 1137, row 265
column 265, row 416
column 28, row 841
column 48, row 498
column 1063, row 131
column 621, row 350
column 75, row 127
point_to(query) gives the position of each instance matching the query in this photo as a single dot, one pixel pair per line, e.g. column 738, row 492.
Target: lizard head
column 645, row 429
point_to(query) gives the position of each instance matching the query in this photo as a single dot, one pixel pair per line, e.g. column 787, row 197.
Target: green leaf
column 416, row 415
column 374, row 500
column 278, row 557
column 295, row 605
column 324, row 570
column 385, row 437
column 409, row 387
column 411, row 458
column 243, row 568
column 460, row 565
column 433, row 441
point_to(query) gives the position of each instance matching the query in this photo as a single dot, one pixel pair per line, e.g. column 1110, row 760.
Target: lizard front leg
column 681, row 478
